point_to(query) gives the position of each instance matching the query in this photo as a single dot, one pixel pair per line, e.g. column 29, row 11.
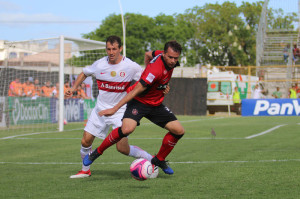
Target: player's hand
column 69, row 92
column 107, row 112
column 167, row 90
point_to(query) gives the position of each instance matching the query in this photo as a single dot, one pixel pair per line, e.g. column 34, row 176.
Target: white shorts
column 99, row 125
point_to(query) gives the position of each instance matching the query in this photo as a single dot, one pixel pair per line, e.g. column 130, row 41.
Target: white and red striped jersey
column 113, row 80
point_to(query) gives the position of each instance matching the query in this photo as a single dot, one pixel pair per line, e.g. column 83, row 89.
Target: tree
column 224, row 34
column 215, row 34
column 277, row 19
column 138, row 32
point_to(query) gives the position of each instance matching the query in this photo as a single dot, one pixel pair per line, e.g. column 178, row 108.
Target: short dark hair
column 112, row 39
column 174, row 45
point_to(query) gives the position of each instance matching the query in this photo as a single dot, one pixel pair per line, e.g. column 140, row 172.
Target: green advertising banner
column 88, row 106
column 24, row 110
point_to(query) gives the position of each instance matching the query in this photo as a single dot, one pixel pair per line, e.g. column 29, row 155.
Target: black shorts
column 159, row 115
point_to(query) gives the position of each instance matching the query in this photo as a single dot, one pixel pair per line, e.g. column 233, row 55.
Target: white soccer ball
column 154, row 172
column 141, row 169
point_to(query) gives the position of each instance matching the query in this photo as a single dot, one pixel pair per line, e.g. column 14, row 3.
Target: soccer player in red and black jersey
column 145, row 100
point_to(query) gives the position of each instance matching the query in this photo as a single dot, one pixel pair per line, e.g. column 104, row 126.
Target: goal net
column 32, row 74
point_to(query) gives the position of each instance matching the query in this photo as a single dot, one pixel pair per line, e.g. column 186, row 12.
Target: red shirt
column 155, row 77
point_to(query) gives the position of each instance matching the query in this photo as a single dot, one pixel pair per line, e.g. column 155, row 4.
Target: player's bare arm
column 167, row 89
column 148, row 57
column 139, row 88
column 81, row 77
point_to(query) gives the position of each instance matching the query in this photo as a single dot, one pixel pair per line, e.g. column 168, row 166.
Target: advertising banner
column 24, row 110
column 73, row 110
column 88, row 106
column 270, row 107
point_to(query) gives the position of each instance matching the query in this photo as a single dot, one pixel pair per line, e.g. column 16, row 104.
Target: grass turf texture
column 225, row 166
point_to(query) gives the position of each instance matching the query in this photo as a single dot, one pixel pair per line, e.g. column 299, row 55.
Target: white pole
column 61, row 85
column 124, row 30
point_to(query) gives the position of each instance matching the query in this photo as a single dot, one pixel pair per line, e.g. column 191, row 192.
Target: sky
column 37, row 19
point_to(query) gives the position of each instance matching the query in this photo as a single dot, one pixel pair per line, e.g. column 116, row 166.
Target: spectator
column 28, row 87
column 55, row 91
column 81, row 92
column 286, row 51
column 37, row 88
column 277, row 93
column 296, row 52
column 15, row 88
column 257, row 93
column 237, row 101
column 297, row 88
column 293, row 93
column 66, row 86
column 47, row 89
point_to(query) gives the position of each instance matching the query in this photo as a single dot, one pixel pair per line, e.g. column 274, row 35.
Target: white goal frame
column 82, row 44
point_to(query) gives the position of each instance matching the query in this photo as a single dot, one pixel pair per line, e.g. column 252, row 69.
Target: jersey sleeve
column 90, row 70
column 149, row 76
column 138, row 72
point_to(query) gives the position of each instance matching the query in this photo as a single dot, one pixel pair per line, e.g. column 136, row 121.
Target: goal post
column 33, row 72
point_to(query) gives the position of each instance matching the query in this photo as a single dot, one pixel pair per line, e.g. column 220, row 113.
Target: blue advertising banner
column 270, row 107
column 73, row 110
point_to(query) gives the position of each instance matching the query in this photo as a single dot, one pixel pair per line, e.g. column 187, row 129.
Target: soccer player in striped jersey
column 114, row 74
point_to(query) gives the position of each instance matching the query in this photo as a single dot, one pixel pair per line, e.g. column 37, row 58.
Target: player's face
column 171, row 57
column 113, row 52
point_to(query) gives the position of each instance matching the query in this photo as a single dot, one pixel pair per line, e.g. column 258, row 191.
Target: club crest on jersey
column 135, row 111
column 113, row 73
column 165, row 72
column 122, row 74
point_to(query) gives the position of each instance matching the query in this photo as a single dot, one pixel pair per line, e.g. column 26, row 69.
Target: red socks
column 115, row 136
column 167, row 146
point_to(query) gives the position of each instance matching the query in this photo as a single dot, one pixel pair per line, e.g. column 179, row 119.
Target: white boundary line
column 37, row 133
column 188, row 162
column 265, row 132
column 203, row 138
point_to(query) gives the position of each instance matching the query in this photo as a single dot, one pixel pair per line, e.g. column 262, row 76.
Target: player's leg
column 131, row 118
column 131, row 150
column 115, row 136
column 86, row 148
column 95, row 127
column 176, row 131
column 164, row 118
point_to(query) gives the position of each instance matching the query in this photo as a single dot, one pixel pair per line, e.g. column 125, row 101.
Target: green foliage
column 215, row 34
column 277, row 20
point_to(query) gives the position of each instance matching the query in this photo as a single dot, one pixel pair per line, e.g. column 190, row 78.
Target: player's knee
column 85, row 142
column 179, row 131
column 127, row 130
column 122, row 150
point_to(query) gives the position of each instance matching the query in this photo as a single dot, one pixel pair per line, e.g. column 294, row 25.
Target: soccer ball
column 154, row 172
column 141, row 169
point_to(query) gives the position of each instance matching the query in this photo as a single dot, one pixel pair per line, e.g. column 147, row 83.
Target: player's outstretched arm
column 81, row 77
column 139, row 88
column 148, row 57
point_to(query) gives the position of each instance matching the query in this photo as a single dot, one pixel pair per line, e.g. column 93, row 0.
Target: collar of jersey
column 166, row 66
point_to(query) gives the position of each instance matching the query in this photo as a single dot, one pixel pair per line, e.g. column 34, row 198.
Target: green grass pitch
column 250, row 157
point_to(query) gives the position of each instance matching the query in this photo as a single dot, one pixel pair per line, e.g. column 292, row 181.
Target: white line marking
column 118, row 163
column 37, row 133
column 203, row 138
column 265, row 132
column 14, row 136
